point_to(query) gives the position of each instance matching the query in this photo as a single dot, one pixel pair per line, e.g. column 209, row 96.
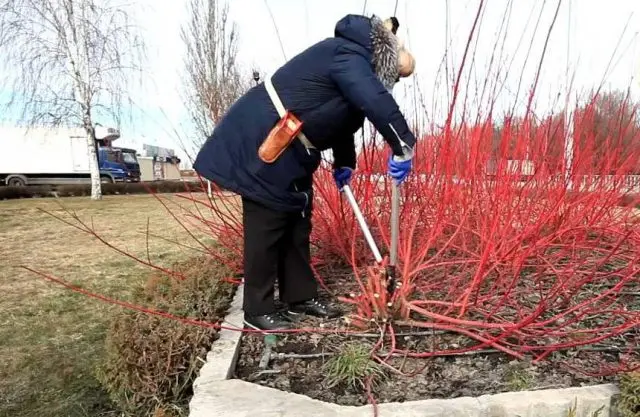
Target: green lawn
column 51, row 338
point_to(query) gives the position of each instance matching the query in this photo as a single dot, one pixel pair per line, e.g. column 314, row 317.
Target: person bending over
column 267, row 147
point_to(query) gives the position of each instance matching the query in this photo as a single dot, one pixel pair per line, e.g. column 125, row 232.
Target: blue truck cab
column 111, row 164
column 120, row 164
column 130, row 161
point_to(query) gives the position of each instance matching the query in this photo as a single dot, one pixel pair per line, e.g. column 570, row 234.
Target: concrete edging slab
column 217, row 395
column 222, row 358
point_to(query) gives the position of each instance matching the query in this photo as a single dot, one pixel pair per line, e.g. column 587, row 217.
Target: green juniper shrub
column 151, row 362
column 629, row 400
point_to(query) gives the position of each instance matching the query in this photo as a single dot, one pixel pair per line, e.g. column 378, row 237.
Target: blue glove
column 399, row 168
column 342, row 176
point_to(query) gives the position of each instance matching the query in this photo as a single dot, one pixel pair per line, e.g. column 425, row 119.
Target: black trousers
column 276, row 247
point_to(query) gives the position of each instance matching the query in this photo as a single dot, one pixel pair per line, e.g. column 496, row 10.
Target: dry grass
column 50, row 338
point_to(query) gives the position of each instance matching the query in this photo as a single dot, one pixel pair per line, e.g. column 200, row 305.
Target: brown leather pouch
column 279, row 138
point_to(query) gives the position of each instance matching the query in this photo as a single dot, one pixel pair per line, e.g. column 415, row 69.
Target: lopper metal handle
column 363, row 224
column 395, row 224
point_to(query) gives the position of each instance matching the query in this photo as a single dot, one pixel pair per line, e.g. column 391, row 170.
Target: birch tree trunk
column 94, row 169
column 70, row 62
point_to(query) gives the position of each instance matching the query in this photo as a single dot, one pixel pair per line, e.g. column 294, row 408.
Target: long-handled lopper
column 395, row 232
column 395, row 210
column 363, row 223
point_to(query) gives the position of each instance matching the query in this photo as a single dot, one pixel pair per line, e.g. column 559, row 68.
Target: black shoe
column 314, row 308
column 268, row 322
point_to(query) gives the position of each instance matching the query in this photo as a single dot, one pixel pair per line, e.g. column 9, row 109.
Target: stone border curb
column 215, row 394
column 222, row 358
column 236, row 398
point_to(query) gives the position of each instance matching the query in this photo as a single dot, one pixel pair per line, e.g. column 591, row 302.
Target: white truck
column 55, row 156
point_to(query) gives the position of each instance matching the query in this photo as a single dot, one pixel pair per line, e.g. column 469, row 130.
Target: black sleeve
column 344, row 152
column 360, row 86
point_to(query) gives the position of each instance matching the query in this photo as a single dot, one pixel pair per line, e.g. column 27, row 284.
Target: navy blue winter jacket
column 331, row 87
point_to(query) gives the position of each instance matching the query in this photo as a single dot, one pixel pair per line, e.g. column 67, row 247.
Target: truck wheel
column 106, row 180
column 16, row 182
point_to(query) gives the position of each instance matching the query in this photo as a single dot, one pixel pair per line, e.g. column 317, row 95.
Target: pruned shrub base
column 151, row 361
column 299, row 363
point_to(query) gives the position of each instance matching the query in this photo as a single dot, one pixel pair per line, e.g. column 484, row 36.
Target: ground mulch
column 301, row 368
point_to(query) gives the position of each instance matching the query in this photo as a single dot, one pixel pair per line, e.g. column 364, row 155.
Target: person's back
column 308, row 90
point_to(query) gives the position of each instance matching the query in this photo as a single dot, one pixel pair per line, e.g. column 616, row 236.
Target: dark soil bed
column 298, row 364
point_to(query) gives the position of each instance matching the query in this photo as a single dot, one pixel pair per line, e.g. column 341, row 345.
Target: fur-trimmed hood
column 373, row 35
